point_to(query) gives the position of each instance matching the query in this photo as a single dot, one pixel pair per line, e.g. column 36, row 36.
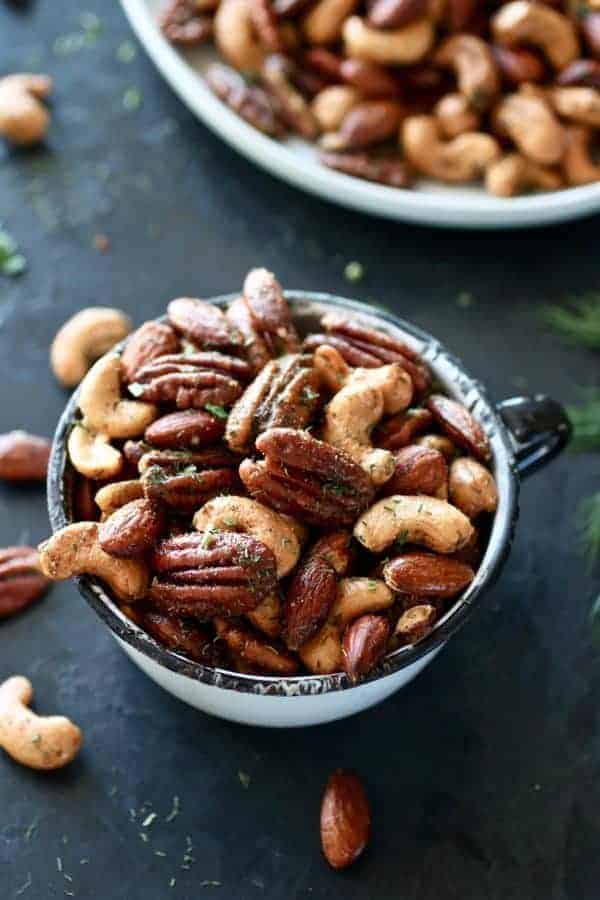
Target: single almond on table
column 345, row 819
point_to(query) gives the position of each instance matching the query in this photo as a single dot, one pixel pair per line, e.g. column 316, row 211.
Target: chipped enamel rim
column 458, row 383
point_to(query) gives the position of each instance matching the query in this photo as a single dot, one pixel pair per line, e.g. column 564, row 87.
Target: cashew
column 475, row 68
column 112, row 497
column 578, row 164
column 333, row 369
column 23, row 119
column 357, row 596
column 323, row 24
column 235, row 37
column 399, row 47
column 267, row 615
column 330, row 106
column 358, row 406
column 92, row 454
column 455, row 116
column 227, row 513
column 83, row 339
column 102, row 407
column 580, row 104
column 464, row 158
column 514, row 174
column 322, row 654
column 76, row 550
column 39, row 742
column 418, row 520
column 531, row 124
column 525, row 22
column 471, row 487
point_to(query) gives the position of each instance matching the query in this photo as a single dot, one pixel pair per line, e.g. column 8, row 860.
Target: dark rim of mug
column 456, row 381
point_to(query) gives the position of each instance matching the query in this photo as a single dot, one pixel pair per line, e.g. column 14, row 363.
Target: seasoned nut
column 402, row 429
column 184, row 636
column 322, row 653
column 285, row 394
column 103, row 410
column 419, row 470
column 309, row 598
column 203, row 324
column 461, row 159
column 152, row 339
column 112, row 497
column 254, row 649
column 433, row 523
column 331, row 105
column 323, row 23
column 514, row 174
column 188, row 428
column 579, row 164
column 367, row 123
column 427, row 575
column 277, row 75
column 24, row 120
column 335, row 548
column 267, row 615
column 83, row 339
column 185, row 480
column 439, row 442
column 578, row 104
column 191, row 381
column 306, row 478
column 358, row 596
column 415, row 623
column 257, row 351
column 211, row 574
column 92, row 454
column 23, row 457
column 266, row 26
column 584, row 72
column 345, row 819
column 396, row 13
column 390, row 170
column 397, row 47
column 472, row 487
column 519, row 65
column 365, row 643
column 249, row 101
column 531, row 124
column 235, row 36
column 21, row 580
column 184, row 22
column 475, row 68
column 455, row 115
column 269, row 311
column 537, row 25
column 371, row 79
column 460, row 426
column 132, row 530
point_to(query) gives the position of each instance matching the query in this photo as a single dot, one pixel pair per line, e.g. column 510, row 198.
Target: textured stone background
column 483, row 774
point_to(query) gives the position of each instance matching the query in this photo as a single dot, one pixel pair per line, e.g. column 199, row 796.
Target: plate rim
column 421, row 207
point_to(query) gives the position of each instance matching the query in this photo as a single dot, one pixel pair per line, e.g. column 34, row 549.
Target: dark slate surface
column 483, row 774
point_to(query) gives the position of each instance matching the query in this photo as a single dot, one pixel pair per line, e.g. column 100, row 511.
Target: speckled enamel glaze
column 524, row 433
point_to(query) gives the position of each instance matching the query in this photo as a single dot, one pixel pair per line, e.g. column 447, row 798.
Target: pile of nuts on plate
column 269, row 503
column 454, row 90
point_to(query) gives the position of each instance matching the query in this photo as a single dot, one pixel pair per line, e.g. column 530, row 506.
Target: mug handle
column 538, row 427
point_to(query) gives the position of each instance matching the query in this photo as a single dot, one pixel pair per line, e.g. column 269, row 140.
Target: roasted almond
column 345, row 819
column 133, row 529
column 23, row 456
column 186, row 428
column 365, row 642
column 460, row 426
column 419, row 470
column 401, row 429
column 427, row 575
column 151, row 340
column 415, row 623
column 310, row 596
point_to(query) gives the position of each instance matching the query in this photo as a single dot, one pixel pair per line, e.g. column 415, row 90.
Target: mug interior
column 307, row 309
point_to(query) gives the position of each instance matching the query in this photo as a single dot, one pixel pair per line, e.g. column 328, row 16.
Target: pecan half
column 191, row 381
column 202, row 323
column 400, row 430
column 419, row 470
column 253, row 650
column 152, row 339
column 182, row 23
column 460, row 426
column 207, row 575
column 186, row 480
column 307, row 479
column 187, row 428
column 427, row 575
column 249, row 101
column 277, row 74
column 285, row 394
column 365, row 643
column 184, row 636
column 269, row 311
column 133, row 529
column 21, row 581
column 257, row 351
column 391, row 170
column 23, row 457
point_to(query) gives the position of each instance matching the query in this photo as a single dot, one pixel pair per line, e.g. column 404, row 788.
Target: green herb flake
column 36, row 739
column 219, row 411
column 84, row 861
column 59, row 866
column 354, row 272
column 465, row 299
column 12, row 262
column 30, row 830
column 231, row 523
column 172, row 882
column 24, row 887
column 175, row 810
column 126, row 52
column 207, row 883
column 132, row 99
column 337, row 488
column 401, row 539
column 578, row 321
column 159, row 853
column 245, row 779
column 371, row 585
column 144, row 837
column 149, row 820
column 585, row 418
column 308, row 394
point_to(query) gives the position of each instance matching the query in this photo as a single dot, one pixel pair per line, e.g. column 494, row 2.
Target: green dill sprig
column 589, row 521
column 585, row 418
column 579, row 321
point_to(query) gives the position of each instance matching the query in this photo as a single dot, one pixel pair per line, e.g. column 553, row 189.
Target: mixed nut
column 454, row 90
column 266, row 501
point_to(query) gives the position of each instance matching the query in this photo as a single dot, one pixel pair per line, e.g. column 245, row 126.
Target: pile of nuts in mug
column 267, row 502
column 454, row 90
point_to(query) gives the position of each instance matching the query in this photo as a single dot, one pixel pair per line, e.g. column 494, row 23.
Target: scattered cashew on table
column 395, row 90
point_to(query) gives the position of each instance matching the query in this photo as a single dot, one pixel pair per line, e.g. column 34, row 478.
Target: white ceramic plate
column 295, row 161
